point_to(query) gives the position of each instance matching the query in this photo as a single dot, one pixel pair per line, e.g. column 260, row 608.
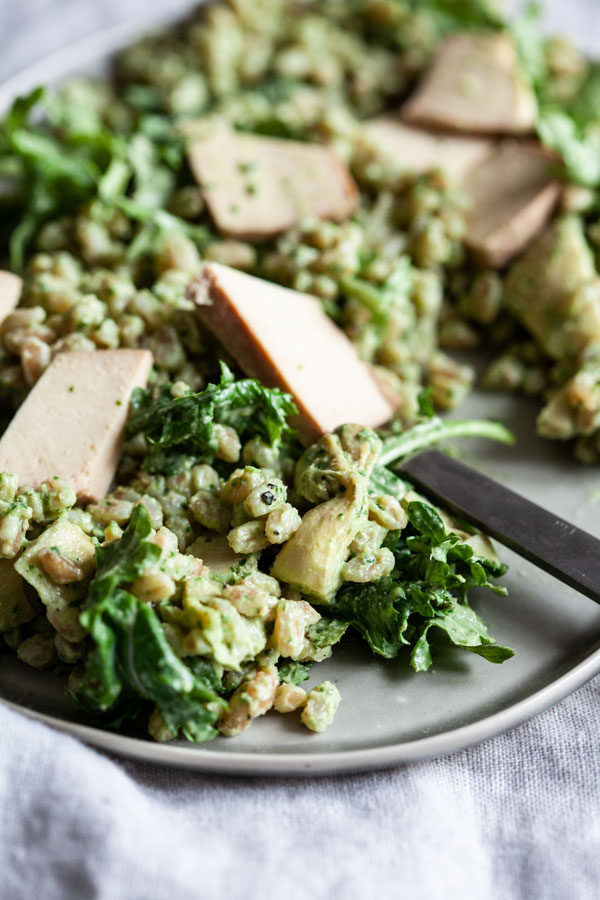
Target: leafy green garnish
column 426, row 434
column 578, row 147
column 381, row 300
column 131, row 659
column 527, row 36
column 156, row 223
column 321, row 634
column 428, row 589
column 586, row 106
column 432, row 430
column 456, row 15
column 294, row 672
column 326, row 632
column 56, row 155
column 176, row 428
column 52, row 174
column 571, row 130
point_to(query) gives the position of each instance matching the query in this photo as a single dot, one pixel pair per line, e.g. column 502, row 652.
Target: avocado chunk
column 312, row 559
column 554, row 290
column 336, row 467
column 323, row 467
column 15, row 606
column 574, row 409
column 231, row 638
column 62, row 600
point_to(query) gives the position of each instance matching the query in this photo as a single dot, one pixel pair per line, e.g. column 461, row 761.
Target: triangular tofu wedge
column 415, row 151
column 284, row 339
column 72, row 422
column 511, row 197
column 474, row 85
column 10, row 292
column 257, row 187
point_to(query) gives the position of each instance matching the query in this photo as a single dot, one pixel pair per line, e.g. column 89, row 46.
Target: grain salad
column 242, row 276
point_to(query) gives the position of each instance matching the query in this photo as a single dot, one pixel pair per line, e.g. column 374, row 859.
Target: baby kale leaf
column 456, row 15
column 326, row 632
column 185, row 425
column 434, row 430
column 294, row 672
column 132, row 665
column 428, row 588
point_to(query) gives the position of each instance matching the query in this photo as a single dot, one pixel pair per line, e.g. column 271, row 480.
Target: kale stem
column 425, row 434
column 363, row 291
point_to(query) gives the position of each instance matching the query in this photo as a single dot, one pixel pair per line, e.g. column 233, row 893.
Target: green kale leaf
column 586, row 106
column 575, row 142
column 456, row 15
column 428, row 588
column 176, row 428
column 57, row 154
column 465, row 629
column 570, row 130
column 528, row 37
column 53, row 172
column 326, row 632
column 124, row 560
column 294, row 672
column 381, row 300
column 379, row 611
column 432, row 430
column 132, row 665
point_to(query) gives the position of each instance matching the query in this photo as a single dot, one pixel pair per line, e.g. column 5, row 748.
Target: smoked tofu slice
column 284, row 339
column 10, row 292
column 415, row 151
column 474, row 85
column 72, row 422
column 511, row 195
column 257, row 187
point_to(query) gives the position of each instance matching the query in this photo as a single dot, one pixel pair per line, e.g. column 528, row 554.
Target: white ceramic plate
column 388, row 714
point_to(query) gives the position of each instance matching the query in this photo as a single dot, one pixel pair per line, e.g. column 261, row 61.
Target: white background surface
column 29, row 29
column 516, row 818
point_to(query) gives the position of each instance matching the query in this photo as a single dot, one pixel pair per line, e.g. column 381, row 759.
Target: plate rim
column 83, row 51
column 76, row 57
column 201, row 758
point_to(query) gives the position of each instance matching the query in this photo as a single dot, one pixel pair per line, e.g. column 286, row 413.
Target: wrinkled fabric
column 518, row 817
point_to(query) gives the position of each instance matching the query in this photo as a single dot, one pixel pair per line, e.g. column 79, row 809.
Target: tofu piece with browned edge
column 256, row 187
column 72, row 422
column 511, row 196
column 415, row 151
column 10, row 292
column 284, row 339
column 474, row 85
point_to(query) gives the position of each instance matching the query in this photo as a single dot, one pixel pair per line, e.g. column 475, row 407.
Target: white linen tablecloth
column 518, row 817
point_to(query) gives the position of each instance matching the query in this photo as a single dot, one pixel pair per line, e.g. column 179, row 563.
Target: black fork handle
column 553, row 544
